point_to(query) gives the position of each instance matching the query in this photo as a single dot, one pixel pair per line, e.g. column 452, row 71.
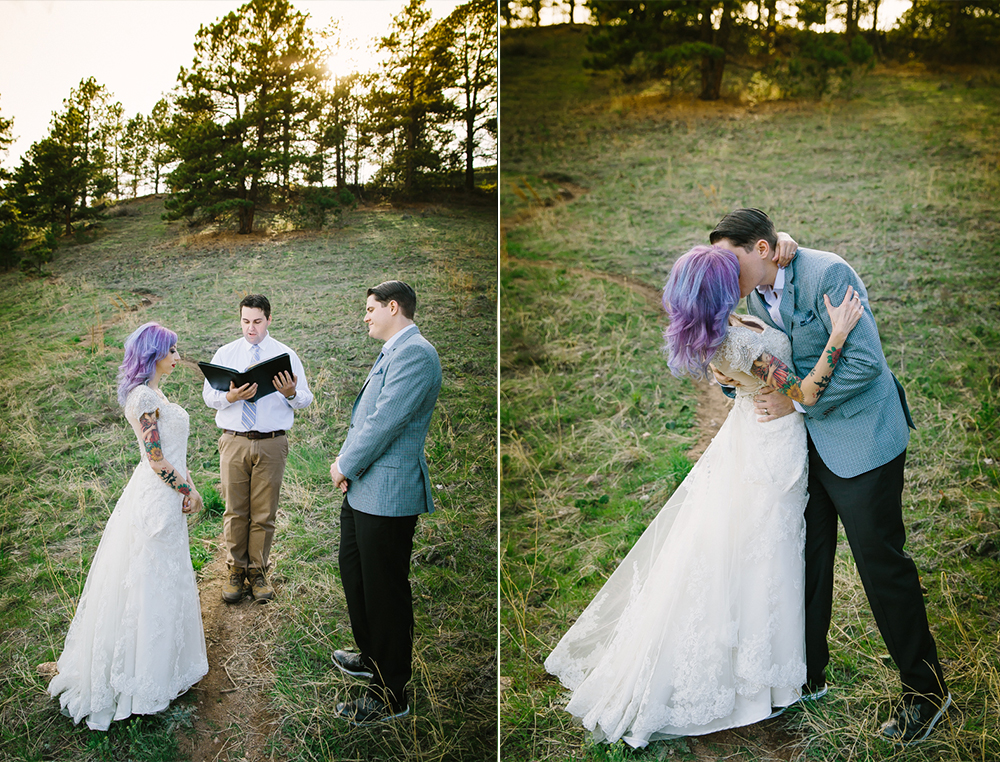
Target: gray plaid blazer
column 383, row 454
column 861, row 421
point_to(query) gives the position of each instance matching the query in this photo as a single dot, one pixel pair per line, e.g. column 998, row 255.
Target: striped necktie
column 250, row 408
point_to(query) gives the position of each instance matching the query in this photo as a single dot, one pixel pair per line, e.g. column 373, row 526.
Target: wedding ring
column 765, row 412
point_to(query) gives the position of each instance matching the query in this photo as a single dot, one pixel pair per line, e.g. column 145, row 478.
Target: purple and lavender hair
column 702, row 291
column 147, row 345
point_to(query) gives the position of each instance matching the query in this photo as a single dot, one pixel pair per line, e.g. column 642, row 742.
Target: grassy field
column 66, row 452
column 602, row 187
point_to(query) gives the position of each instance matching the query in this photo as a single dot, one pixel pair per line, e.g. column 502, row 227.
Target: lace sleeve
column 741, row 347
column 140, row 400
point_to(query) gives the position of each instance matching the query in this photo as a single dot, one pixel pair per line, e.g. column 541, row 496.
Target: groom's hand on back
column 772, row 405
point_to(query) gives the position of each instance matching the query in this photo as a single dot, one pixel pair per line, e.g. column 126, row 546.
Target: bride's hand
column 844, row 317
column 785, row 250
column 192, row 503
column 721, row 378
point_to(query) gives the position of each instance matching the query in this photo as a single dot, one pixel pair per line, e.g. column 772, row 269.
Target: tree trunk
column 470, row 126
column 572, row 8
column 772, row 10
column 851, row 21
column 712, row 68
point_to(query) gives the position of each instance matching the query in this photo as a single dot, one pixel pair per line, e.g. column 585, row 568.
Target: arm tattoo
column 151, row 436
column 832, row 355
column 169, row 476
column 775, row 373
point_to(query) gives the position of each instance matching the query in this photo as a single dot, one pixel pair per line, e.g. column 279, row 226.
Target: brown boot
column 232, row 589
column 259, row 587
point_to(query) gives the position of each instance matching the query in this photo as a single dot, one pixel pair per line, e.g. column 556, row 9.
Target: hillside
column 602, row 188
column 66, row 453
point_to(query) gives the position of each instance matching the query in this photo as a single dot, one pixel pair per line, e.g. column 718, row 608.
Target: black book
column 262, row 374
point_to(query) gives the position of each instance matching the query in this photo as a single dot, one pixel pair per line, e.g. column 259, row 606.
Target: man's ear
column 763, row 249
column 393, row 307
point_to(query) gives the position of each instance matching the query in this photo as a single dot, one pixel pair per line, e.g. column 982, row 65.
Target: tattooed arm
column 808, row 390
column 161, row 467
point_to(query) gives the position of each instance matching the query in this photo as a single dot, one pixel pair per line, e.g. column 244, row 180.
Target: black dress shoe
column 813, row 692
column 369, row 710
column 351, row 664
column 913, row 722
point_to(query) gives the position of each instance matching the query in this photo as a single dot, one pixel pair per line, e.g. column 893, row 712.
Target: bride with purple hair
column 136, row 641
column 701, row 627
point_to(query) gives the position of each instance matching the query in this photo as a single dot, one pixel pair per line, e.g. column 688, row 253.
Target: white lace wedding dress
column 136, row 641
column 701, row 627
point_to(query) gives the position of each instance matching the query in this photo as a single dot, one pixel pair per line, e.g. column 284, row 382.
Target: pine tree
column 60, row 172
column 10, row 226
column 242, row 111
column 409, row 109
column 473, row 30
column 157, row 132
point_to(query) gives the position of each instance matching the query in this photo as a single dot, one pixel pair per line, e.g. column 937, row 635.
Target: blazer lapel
column 758, row 308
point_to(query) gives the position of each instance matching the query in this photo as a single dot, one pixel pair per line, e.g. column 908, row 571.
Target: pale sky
column 135, row 48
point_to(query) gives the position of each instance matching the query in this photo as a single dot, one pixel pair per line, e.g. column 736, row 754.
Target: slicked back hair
column 401, row 293
column 744, row 227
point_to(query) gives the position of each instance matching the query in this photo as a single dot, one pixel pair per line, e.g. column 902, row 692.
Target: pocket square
column 810, row 316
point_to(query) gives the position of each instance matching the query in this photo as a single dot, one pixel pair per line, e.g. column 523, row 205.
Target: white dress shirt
column 772, row 298
column 274, row 412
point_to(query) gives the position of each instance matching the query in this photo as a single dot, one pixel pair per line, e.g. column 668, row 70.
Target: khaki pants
column 251, row 472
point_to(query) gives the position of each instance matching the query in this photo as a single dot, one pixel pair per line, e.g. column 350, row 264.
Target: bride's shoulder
column 140, row 400
column 742, row 344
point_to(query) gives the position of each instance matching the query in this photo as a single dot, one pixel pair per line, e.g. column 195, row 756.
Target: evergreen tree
column 10, row 226
column 157, row 132
column 82, row 128
column 136, row 143
column 473, row 30
column 409, row 109
column 59, row 173
column 661, row 39
column 241, row 112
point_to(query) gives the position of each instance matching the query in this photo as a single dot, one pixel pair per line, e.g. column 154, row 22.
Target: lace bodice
column 172, row 422
column 742, row 346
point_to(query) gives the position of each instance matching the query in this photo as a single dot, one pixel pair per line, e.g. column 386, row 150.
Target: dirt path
column 712, row 406
column 232, row 721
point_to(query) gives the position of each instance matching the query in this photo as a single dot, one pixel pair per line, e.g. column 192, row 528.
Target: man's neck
column 401, row 327
column 770, row 275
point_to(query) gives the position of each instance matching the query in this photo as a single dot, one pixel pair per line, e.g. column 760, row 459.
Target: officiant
column 253, row 448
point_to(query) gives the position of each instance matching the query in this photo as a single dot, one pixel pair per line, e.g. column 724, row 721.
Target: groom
column 382, row 472
column 858, row 433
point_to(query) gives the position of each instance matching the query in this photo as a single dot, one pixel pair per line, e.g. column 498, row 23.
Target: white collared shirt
column 274, row 412
column 772, row 298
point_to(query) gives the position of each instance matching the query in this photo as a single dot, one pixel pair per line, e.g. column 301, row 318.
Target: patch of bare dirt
column 233, row 720
column 712, row 406
column 94, row 338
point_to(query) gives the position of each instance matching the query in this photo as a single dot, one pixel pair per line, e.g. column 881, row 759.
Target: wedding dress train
column 701, row 627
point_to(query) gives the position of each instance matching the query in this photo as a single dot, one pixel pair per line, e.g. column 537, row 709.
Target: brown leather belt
column 256, row 434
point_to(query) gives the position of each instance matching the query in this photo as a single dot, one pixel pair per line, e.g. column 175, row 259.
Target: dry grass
column 898, row 181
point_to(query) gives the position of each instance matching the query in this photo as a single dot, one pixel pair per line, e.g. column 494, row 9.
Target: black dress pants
column 374, row 564
column 870, row 507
